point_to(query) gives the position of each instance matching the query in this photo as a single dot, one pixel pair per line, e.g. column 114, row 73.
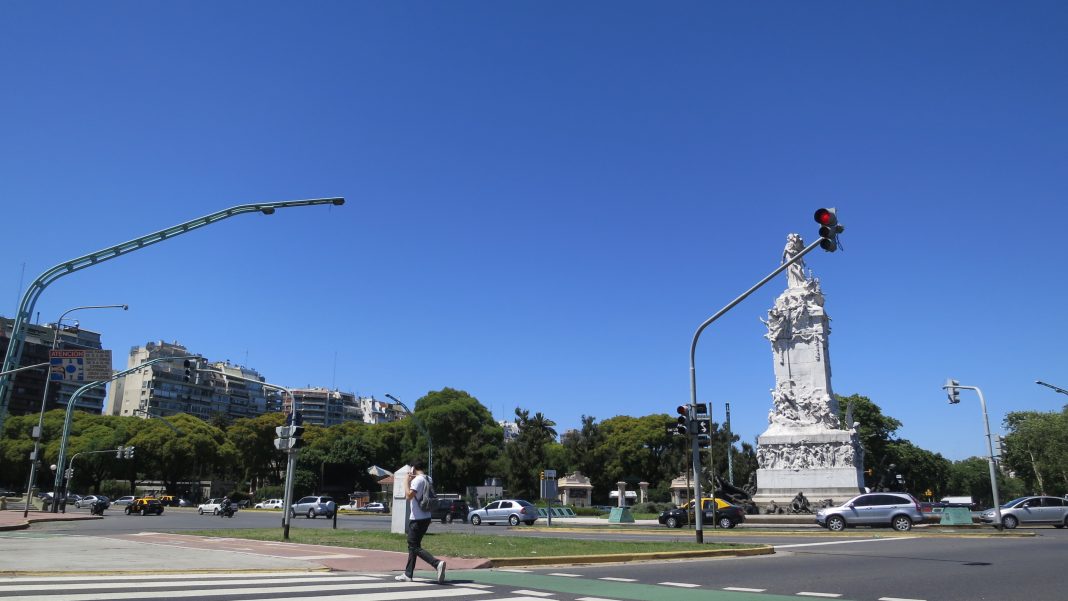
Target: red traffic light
column 826, row 217
column 683, row 410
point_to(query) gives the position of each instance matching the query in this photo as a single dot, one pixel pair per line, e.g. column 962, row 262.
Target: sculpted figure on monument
column 795, row 273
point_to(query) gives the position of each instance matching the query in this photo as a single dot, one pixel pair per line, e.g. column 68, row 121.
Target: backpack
column 430, row 498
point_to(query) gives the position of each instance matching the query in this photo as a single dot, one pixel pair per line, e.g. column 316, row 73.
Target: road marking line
column 619, row 579
column 846, row 542
column 514, row 570
column 744, row 590
column 679, row 584
column 829, row 595
column 192, row 576
column 310, row 557
column 69, row 586
column 591, row 599
column 565, row 575
column 532, row 593
column 898, row 599
column 432, row 590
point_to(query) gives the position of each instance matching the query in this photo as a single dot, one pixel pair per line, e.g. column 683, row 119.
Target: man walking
column 416, row 487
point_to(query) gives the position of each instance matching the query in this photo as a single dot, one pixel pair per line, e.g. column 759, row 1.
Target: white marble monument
column 805, row 448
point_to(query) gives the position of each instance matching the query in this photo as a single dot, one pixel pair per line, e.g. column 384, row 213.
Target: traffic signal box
column 829, row 228
column 290, row 435
column 683, row 420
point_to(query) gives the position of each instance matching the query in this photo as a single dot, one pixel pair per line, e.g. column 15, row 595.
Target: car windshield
column 1013, row 502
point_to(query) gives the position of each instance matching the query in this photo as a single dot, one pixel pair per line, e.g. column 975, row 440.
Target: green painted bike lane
column 607, row 589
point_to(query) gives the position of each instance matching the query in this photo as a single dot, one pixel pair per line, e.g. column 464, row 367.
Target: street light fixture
column 1055, row 388
column 952, row 385
column 34, row 290
column 419, row 422
column 34, row 459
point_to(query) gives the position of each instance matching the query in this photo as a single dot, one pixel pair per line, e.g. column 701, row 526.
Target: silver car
column 1030, row 511
column 509, row 510
column 897, row 510
column 314, row 506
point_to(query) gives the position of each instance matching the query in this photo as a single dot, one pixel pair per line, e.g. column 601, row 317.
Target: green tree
column 466, row 438
column 584, row 448
column 876, row 430
column 1036, row 448
column 258, row 462
column 180, row 449
column 527, row 454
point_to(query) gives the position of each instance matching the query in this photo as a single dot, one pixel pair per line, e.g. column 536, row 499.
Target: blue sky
column 545, row 199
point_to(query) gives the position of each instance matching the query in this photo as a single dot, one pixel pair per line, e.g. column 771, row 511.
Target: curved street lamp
column 44, row 400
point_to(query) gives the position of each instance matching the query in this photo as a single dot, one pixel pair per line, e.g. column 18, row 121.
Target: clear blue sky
column 545, row 199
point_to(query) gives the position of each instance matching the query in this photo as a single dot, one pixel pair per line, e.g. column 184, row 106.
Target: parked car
column 378, row 508
column 1030, row 511
column 88, row 500
column 313, row 507
column 512, row 511
column 145, row 506
column 725, row 515
column 269, row 504
column 212, row 506
column 123, row 501
column 448, row 510
column 897, row 510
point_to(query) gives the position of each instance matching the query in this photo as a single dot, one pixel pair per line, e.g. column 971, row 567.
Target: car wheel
column 725, row 522
column 448, row 519
column 902, row 523
column 836, row 523
column 513, row 520
column 127, row 510
column 292, row 513
column 1010, row 522
column 200, row 511
column 673, row 522
column 311, row 514
column 144, row 512
column 216, row 511
column 475, row 520
column 529, row 523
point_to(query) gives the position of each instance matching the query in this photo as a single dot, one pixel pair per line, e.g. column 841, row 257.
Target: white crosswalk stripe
column 276, row 587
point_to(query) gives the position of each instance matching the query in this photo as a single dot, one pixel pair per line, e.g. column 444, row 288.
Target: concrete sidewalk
column 24, row 551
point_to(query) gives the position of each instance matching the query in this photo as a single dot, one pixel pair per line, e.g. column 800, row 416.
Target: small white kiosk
column 399, row 512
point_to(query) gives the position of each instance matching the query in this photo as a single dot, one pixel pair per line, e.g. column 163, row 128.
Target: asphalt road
column 868, row 565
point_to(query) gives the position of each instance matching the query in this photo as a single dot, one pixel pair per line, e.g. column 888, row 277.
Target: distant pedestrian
column 416, row 487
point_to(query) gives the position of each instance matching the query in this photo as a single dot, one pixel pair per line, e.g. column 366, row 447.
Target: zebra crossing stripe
column 410, row 592
column 81, row 586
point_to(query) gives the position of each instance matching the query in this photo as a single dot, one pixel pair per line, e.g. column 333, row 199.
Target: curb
column 508, row 562
column 22, row 525
column 943, row 531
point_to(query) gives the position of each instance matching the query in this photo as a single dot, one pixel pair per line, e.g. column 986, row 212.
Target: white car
column 123, row 501
column 269, row 504
column 212, row 506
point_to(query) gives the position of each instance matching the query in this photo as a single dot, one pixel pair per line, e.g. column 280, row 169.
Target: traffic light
column 683, row 420
column 118, row 453
column 542, row 476
column 952, row 392
column 129, row 452
column 703, row 428
column 289, row 437
column 999, row 445
column 192, row 371
column 829, row 228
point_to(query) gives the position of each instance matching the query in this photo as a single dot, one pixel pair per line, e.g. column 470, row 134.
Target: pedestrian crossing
column 280, row 586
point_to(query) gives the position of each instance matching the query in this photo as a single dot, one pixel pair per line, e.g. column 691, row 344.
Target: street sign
column 704, row 426
column 550, row 474
column 87, row 365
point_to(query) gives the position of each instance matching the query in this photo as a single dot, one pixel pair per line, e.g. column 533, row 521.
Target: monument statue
column 805, row 447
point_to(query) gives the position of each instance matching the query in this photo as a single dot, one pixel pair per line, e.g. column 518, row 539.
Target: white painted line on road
column 194, row 576
column 532, row 593
column 145, row 585
column 619, row 579
column 846, row 542
column 213, row 592
column 744, row 590
column 514, row 570
column 828, row 595
column 587, row 599
column 679, row 584
column 899, row 599
column 310, row 557
column 565, row 575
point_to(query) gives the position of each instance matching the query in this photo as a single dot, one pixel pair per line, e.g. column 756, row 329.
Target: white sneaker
column 441, row 572
column 403, row 578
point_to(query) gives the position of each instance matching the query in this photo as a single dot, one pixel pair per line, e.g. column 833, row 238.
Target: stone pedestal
column 398, row 521
column 820, row 464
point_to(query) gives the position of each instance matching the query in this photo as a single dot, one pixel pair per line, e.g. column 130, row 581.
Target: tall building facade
column 167, row 388
column 325, row 407
column 378, row 412
column 28, row 385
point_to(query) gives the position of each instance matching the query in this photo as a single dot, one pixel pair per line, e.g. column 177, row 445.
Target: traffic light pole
column 698, row 510
column 291, row 466
column 989, row 446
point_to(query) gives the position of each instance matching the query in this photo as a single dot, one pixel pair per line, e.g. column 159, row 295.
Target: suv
column 897, row 510
column 314, row 506
column 145, row 506
column 1029, row 511
column 448, row 510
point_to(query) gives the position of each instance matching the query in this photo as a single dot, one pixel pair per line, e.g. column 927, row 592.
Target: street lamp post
column 951, row 386
column 1055, row 388
column 70, row 413
column 44, row 400
column 33, row 292
column 419, row 422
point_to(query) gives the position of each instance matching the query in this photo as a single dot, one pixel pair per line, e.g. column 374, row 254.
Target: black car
column 726, row 516
column 449, row 510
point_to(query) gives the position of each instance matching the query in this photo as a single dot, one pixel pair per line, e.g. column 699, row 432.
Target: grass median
column 454, row 544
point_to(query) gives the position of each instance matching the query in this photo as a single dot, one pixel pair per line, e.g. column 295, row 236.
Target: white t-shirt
column 419, row 488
